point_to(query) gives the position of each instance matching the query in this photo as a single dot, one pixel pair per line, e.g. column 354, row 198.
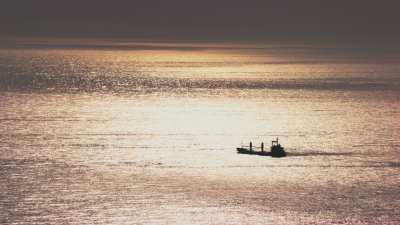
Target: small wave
column 376, row 165
column 103, row 83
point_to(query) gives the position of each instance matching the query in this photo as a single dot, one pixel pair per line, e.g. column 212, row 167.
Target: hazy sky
column 204, row 19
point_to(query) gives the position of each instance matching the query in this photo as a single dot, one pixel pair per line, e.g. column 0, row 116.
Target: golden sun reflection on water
column 149, row 136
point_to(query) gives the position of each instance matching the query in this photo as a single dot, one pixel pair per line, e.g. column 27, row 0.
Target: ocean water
column 146, row 134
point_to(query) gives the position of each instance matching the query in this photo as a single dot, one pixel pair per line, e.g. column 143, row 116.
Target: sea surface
column 146, row 133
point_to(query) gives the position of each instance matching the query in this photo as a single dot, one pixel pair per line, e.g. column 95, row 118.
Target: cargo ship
column 276, row 150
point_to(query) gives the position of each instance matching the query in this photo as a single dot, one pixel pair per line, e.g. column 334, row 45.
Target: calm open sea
column 147, row 134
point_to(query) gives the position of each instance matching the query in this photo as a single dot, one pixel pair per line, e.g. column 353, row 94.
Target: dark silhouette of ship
column 276, row 150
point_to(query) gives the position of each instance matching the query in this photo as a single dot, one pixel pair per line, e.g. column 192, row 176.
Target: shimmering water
column 148, row 135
